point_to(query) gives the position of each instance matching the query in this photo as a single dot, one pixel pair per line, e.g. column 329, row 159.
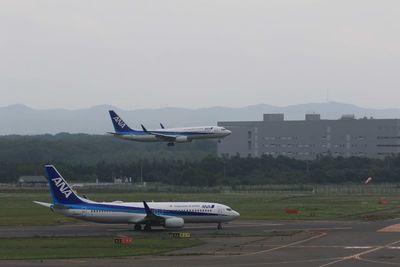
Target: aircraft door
column 84, row 212
column 220, row 210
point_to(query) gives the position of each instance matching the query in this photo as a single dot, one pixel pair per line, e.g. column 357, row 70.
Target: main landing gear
column 171, row 144
column 138, row 227
column 219, row 227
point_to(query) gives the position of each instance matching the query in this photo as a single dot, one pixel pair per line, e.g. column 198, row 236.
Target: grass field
column 84, row 247
column 16, row 208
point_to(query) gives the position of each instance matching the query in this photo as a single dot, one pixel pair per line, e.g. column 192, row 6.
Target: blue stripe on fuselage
column 166, row 133
column 137, row 210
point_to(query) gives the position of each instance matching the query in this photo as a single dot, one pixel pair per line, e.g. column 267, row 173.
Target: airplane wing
column 166, row 137
column 153, row 219
column 150, row 216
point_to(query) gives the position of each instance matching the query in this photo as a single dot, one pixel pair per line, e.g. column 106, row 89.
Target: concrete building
column 32, row 181
column 306, row 139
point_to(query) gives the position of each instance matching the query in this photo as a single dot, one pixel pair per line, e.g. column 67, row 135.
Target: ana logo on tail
column 119, row 122
column 62, row 186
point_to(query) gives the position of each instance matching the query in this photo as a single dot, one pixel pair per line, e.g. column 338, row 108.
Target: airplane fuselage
column 170, row 135
column 182, row 134
column 166, row 214
column 133, row 212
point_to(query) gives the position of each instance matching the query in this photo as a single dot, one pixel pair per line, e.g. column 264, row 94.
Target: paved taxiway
column 242, row 243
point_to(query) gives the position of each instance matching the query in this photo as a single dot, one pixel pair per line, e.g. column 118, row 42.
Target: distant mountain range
column 20, row 119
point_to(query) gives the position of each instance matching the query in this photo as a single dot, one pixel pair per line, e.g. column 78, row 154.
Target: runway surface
column 247, row 243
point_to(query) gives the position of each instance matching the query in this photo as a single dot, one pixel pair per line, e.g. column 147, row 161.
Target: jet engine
column 174, row 222
column 182, row 139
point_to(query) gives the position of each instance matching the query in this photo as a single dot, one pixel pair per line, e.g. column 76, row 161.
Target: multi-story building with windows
column 306, row 139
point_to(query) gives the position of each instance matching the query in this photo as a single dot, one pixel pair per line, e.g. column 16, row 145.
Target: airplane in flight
column 147, row 214
column 171, row 135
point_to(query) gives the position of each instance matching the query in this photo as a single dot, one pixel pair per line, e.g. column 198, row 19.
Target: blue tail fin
column 119, row 125
column 61, row 192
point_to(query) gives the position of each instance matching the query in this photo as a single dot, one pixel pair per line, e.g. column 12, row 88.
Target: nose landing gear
column 219, row 226
column 171, row 144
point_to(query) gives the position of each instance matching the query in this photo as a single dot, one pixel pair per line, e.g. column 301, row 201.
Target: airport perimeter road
column 259, row 243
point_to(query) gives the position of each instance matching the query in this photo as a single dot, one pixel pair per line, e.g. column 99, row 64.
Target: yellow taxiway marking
column 314, row 246
column 395, row 228
column 379, row 262
column 285, row 246
column 310, row 229
column 357, row 256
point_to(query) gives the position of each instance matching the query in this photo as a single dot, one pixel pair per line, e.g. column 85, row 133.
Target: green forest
column 87, row 157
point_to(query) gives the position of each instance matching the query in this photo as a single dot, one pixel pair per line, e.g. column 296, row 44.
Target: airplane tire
column 147, row 227
column 138, row 227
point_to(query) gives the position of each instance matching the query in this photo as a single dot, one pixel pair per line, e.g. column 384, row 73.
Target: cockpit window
column 228, row 209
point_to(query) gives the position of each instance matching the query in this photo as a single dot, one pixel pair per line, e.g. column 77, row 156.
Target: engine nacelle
column 174, row 222
column 182, row 139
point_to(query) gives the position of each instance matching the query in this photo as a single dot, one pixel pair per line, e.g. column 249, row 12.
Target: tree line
column 87, row 158
column 91, row 149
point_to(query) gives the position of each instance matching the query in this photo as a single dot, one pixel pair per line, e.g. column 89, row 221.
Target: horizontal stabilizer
column 51, row 206
column 48, row 205
column 115, row 134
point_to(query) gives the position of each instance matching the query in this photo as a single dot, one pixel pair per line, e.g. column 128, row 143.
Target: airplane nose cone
column 228, row 132
column 236, row 214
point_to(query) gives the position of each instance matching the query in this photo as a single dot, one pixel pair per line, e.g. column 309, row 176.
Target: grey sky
column 136, row 54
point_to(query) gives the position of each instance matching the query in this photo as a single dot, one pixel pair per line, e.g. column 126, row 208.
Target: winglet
column 144, row 128
column 162, row 126
column 147, row 209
